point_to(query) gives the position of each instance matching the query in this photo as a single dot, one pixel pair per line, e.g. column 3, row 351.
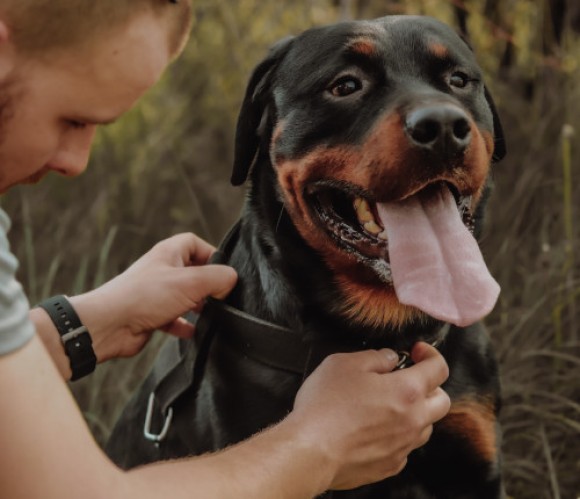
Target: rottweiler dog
column 368, row 145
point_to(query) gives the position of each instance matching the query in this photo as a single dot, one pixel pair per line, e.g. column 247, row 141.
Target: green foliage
column 164, row 168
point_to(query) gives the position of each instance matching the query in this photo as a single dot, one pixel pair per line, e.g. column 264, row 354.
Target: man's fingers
column 378, row 361
column 211, row 280
column 438, row 404
column 193, row 250
column 429, row 365
column 180, row 328
column 425, row 436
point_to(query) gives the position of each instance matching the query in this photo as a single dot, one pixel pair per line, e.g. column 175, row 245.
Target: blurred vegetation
column 165, row 168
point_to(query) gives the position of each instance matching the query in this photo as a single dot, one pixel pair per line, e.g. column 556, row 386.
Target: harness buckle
column 147, row 433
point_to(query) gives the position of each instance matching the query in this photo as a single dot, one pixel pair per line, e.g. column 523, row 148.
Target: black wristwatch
column 75, row 337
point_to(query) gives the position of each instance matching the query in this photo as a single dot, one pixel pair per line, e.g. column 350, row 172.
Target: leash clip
column 156, row 437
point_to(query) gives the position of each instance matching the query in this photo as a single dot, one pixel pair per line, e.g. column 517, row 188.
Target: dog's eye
column 459, row 80
column 345, row 86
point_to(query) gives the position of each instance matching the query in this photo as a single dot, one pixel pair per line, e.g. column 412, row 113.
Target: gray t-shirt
column 15, row 326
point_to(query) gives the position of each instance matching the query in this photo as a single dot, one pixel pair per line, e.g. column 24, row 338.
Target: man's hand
column 368, row 419
column 168, row 281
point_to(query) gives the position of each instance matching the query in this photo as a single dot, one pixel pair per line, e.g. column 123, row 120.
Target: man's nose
column 72, row 157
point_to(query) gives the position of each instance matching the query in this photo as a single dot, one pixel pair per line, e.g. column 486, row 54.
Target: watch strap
column 75, row 337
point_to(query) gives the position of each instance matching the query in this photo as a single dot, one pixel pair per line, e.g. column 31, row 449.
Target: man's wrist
column 309, row 451
column 99, row 320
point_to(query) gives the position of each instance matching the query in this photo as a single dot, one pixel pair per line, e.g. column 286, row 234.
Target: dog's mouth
column 350, row 216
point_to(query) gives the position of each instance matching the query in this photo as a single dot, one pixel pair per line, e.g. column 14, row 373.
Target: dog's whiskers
column 279, row 218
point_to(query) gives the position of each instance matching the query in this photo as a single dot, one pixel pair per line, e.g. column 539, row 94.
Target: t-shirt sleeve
column 16, row 329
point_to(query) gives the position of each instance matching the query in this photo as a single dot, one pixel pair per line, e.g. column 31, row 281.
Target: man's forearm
column 281, row 462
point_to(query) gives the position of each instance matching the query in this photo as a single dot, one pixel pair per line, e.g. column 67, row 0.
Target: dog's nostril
column 461, row 129
column 425, row 131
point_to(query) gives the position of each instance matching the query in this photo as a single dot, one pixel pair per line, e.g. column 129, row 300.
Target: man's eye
column 459, row 80
column 346, row 85
column 76, row 124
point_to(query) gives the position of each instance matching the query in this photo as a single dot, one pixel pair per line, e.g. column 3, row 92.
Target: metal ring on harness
column 156, row 438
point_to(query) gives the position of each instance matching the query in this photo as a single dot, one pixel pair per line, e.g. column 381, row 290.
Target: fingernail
column 391, row 355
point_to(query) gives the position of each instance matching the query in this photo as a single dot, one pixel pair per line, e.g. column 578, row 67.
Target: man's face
column 49, row 109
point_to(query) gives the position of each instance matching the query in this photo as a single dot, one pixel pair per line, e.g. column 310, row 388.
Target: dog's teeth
column 363, row 211
column 373, row 228
column 383, row 235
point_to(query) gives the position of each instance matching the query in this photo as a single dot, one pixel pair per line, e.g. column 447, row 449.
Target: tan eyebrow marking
column 362, row 46
column 438, row 49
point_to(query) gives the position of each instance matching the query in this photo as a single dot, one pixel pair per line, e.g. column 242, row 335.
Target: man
column 65, row 67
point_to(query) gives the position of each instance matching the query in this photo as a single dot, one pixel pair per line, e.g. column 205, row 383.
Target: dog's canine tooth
column 373, row 228
column 363, row 211
column 383, row 235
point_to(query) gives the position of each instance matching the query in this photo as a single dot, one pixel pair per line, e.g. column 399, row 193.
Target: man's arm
column 354, row 422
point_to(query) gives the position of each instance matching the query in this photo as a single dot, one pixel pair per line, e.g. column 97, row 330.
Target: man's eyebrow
column 93, row 120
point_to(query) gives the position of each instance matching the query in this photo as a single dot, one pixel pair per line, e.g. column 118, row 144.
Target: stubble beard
column 11, row 93
column 7, row 112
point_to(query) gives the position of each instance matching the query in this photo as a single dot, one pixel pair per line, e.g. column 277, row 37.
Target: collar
column 284, row 348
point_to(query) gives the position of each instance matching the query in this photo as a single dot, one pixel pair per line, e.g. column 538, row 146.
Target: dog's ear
column 254, row 106
column 500, row 149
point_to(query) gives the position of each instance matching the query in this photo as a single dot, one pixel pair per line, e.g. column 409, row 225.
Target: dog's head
column 360, row 116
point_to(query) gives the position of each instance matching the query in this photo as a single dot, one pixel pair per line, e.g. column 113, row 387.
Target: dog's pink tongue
column 435, row 261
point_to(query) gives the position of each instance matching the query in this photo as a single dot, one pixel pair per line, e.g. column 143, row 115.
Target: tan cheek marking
column 474, row 421
column 478, row 158
column 438, row 50
column 293, row 175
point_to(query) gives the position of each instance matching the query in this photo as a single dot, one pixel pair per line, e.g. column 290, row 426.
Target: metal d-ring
column 156, row 437
column 404, row 358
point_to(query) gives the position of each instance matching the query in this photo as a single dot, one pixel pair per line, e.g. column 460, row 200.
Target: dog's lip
column 354, row 190
column 331, row 205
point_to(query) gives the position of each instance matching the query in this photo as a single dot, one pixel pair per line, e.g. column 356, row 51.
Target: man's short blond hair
column 40, row 26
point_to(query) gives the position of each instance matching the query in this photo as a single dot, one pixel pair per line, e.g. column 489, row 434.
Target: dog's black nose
column 442, row 129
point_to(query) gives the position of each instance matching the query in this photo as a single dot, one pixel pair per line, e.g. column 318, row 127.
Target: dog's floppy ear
column 253, row 108
column 500, row 149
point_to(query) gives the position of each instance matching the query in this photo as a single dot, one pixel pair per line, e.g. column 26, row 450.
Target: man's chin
column 31, row 180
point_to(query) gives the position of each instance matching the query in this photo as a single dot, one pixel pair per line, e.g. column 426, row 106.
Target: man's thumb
column 381, row 361
column 213, row 280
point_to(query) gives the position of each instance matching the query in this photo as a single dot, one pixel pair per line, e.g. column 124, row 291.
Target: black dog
column 353, row 135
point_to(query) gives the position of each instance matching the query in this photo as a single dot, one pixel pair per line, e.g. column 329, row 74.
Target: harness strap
column 179, row 365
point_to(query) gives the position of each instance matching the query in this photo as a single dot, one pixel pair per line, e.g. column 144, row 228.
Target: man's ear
column 500, row 149
column 254, row 107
